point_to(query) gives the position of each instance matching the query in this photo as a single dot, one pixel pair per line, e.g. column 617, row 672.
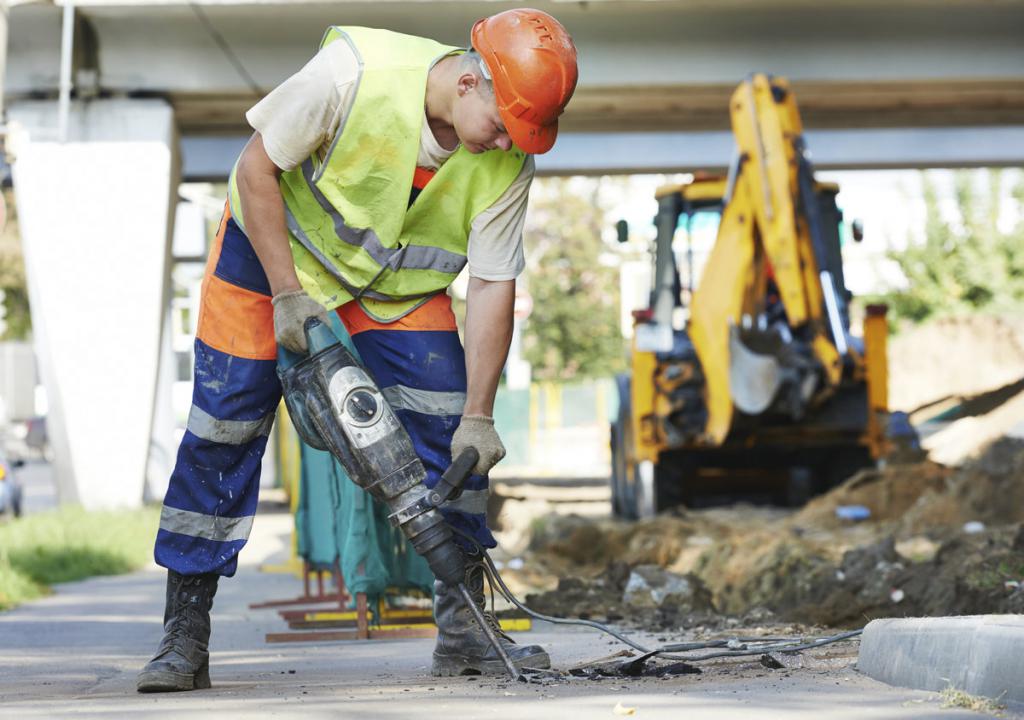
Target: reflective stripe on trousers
column 211, row 500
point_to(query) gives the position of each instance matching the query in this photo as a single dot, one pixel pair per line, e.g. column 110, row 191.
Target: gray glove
column 291, row 310
column 478, row 432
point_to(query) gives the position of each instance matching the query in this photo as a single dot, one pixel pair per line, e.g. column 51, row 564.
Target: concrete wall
column 95, row 222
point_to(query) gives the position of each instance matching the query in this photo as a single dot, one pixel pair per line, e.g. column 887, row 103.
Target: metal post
column 664, row 299
column 4, row 12
column 66, row 47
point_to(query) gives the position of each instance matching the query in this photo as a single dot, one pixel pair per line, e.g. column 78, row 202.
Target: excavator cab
column 699, row 203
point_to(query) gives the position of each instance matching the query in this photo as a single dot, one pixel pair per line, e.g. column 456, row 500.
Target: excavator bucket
column 754, row 379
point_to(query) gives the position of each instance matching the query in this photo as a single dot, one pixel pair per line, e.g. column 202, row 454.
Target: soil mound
column 927, row 362
column 937, row 540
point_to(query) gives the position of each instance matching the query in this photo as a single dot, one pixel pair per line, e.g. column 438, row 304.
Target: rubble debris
column 852, row 512
column 709, row 568
column 643, row 666
column 650, row 586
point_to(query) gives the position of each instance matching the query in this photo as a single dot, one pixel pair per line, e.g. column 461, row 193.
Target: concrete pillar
column 17, row 381
column 96, row 217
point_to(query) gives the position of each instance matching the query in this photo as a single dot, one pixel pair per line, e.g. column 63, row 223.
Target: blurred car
column 28, row 438
column 10, row 488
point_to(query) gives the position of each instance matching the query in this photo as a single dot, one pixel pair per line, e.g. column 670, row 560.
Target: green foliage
column 573, row 331
column 966, row 264
column 12, row 277
column 70, row 544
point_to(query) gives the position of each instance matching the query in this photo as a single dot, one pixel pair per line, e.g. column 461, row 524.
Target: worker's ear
column 467, row 83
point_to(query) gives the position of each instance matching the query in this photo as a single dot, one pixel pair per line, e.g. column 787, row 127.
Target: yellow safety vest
column 352, row 231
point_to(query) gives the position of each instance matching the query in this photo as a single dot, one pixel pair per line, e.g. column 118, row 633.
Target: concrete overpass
column 870, row 72
column 899, row 83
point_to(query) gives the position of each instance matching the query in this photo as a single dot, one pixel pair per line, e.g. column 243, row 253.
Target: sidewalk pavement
column 76, row 653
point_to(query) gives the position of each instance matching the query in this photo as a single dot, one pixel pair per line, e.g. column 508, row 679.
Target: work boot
column 462, row 647
column 182, row 662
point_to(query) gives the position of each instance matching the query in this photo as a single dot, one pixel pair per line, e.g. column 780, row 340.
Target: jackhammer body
column 336, row 406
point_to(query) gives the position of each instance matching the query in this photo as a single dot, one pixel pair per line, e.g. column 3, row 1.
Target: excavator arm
column 770, row 212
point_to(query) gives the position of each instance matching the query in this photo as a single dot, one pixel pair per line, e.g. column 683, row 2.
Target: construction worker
column 374, row 175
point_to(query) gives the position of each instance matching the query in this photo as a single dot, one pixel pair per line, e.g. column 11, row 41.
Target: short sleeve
column 495, row 250
column 304, row 112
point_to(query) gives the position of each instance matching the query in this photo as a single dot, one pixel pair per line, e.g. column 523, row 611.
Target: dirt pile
column 888, row 494
column 938, row 541
column 645, row 596
column 927, row 362
column 988, row 489
column 970, row 573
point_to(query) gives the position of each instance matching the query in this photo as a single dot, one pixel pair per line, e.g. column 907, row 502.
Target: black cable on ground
column 735, row 647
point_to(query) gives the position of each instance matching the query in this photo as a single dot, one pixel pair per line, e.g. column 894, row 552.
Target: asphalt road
column 75, row 654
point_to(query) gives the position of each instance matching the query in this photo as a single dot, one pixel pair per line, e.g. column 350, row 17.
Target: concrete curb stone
column 978, row 654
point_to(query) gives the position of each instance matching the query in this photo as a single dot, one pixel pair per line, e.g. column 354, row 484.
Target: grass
column 71, row 544
column 953, row 698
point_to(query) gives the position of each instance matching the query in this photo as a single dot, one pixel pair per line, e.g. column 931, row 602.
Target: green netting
column 512, row 421
column 336, row 520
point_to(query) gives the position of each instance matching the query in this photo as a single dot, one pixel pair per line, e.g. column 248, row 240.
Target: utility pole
column 66, row 49
column 4, row 10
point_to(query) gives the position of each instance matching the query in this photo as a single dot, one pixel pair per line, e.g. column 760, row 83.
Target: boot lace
column 488, row 588
column 185, row 612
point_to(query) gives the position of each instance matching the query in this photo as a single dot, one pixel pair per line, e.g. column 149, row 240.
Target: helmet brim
column 530, row 137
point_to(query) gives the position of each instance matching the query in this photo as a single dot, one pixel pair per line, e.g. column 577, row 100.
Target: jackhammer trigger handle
column 315, row 340
column 462, row 466
column 449, row 486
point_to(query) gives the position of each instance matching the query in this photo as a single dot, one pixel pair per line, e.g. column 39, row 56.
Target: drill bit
column 488, row 631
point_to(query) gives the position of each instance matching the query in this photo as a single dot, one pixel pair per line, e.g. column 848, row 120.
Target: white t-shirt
column 302, row 115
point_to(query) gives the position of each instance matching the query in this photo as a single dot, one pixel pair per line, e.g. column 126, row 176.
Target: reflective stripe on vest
column 411, row 256
column 353, row 233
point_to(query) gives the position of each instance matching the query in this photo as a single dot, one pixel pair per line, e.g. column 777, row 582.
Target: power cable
column 226, row 49
column 735, row 647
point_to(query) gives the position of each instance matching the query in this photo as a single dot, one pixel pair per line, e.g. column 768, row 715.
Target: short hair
column 474, row 63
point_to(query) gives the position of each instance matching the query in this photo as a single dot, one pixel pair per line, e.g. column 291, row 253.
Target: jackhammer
column 335, row 406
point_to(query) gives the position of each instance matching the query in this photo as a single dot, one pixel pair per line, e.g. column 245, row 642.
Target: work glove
column 478, row 432
column 291, row 310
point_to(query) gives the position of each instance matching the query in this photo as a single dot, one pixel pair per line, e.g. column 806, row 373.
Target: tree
column 12, row 277
column 967, row 263
column 573, row 331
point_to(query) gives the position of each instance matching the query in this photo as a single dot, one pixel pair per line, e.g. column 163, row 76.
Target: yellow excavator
column 750, row 383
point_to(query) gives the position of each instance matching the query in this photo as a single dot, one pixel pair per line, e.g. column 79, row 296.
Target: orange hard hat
column 532, row 63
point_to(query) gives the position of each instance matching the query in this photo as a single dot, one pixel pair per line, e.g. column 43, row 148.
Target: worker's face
column 476, row 119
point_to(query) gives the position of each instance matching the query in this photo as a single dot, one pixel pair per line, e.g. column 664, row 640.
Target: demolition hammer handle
column 462, row 466
column 449, row 486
